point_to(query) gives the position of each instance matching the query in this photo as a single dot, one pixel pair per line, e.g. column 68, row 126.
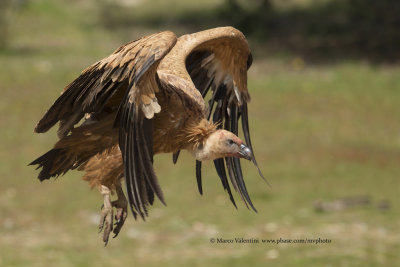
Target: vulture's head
column 220, row 144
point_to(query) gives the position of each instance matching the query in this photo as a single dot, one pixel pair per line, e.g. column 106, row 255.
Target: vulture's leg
column 106, row 219
column 121, row 205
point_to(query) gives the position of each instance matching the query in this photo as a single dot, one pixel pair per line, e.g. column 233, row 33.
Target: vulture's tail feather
column 47, row 163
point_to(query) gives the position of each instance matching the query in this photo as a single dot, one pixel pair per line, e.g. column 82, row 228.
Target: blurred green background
column 325, row 119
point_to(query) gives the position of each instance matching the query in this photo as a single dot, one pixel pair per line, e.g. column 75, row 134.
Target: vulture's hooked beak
column 245, row 152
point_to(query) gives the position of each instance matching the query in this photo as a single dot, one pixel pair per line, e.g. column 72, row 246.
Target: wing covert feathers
column 99, row 82
column 212, row 57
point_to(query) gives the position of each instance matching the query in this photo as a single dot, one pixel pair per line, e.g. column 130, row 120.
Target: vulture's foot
column 107, row 212
column 121, row 205
column 106, row 219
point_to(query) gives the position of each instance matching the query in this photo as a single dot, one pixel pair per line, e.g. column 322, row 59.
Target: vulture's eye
column 230, row 142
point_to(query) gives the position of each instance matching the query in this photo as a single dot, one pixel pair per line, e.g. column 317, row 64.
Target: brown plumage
column 147, row 98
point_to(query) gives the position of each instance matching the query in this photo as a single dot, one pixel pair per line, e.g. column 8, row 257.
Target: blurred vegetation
column 321, row 132
column 330, row 29
column 7, row 10
column 4, row 7
column 319, row 30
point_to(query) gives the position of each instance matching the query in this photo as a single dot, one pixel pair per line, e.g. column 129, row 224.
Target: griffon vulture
column 148, row 98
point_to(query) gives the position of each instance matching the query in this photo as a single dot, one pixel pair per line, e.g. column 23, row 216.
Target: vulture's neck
column 199, row 139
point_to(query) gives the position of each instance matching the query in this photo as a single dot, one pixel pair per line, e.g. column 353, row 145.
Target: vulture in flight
column 147, row 98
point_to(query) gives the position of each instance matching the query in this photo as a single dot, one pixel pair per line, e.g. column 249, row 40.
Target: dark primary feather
column 249, row 61
column 246, row 132
column 219, row 114
column 175, row 156
column 199, row 74
column 145, row 144
column 220, row 167
column 237, row 170
column 198, row 176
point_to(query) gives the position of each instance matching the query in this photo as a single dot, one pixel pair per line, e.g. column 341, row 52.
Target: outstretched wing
column 219, row 59
column 124, row 81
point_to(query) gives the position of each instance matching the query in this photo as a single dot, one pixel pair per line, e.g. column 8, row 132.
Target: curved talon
column 120, row 218
column 121, row 206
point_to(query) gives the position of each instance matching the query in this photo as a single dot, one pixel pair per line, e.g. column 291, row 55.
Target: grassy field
column 320, row 132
